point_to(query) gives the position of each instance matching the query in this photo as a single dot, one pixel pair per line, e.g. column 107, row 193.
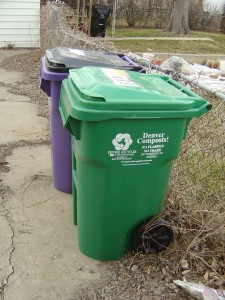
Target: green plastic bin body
column 128, row 128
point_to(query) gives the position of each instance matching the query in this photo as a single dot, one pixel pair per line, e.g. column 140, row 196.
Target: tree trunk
column 179, row 17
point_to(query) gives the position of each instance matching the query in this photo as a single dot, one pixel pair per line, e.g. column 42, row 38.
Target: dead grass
column 170, row 46
column 215, row 46
column 195, row 199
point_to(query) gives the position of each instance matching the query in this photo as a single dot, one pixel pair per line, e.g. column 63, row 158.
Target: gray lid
column 61, row 59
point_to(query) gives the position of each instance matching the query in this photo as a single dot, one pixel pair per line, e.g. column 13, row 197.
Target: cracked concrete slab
column 19, row 120
column 46, row 259
column 5, row 248
column 5, row 95
column 10, row 77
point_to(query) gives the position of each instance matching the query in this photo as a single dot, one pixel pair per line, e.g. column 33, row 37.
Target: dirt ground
column 136, row 276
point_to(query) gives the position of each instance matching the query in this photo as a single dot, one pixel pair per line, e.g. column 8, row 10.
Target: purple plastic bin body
column 50, row 83
column 60, row 137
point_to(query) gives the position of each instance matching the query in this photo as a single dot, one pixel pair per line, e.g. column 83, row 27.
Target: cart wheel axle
column 152, row 239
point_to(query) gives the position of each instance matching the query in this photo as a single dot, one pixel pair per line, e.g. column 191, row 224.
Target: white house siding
column 20, row 23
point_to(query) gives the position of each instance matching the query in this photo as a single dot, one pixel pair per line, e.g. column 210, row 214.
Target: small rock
column 157, row 292
column 134, row 268
column 185, row 272
column 172, row 286
column 206, row 276
column 184, row 264
column 139, row 287
column 164, row 272
column 4, row 281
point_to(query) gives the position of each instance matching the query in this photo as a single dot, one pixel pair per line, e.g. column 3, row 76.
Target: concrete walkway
column 39, row 258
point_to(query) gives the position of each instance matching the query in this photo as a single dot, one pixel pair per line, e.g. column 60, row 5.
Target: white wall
column 20, row 23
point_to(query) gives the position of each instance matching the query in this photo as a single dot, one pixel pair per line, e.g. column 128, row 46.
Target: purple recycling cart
column 54, row 67
column 60, row 138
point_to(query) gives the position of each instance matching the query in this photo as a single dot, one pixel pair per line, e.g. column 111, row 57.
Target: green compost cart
column 127, row 129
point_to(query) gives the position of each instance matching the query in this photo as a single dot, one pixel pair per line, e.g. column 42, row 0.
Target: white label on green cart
column 119, row 77
column 141, row 151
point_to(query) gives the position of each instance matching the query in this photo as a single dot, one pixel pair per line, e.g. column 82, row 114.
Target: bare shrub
column 59, row 28
column 207, row 18
column 131, row 11
column 195, row 12
column 223, row 24
column 195, row 199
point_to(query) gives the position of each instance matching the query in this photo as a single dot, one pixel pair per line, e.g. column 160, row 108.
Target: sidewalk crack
column 6, row 278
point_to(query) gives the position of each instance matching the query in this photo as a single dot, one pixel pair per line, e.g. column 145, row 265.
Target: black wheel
column 152, row 238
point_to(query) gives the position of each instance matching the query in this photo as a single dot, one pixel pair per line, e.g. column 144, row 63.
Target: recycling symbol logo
column 122, row 141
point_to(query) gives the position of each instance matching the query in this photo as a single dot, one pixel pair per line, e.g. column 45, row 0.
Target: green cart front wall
column 128, row 128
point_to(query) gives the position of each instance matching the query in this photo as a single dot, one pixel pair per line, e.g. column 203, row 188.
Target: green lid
column 103, row 88
column 92, row 93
